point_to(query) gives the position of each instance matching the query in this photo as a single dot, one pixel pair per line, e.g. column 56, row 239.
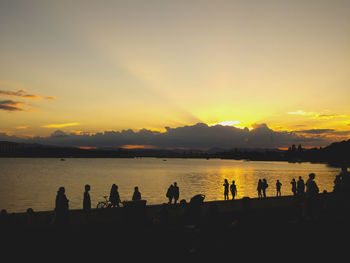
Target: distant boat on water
column 62, row 159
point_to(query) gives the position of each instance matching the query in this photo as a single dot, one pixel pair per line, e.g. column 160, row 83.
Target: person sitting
column 137, row 195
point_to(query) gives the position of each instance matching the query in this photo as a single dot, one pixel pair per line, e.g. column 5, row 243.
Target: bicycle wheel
column 101, row 205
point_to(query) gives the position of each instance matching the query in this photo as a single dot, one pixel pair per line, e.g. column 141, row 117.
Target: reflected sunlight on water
column 33, row 182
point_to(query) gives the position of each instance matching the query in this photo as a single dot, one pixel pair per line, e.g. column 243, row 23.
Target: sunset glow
column 173, row 64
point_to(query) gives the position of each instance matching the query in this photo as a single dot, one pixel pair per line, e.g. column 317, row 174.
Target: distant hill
column 336, row 154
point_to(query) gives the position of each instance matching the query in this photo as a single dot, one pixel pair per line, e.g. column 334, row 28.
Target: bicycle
column 104, row 204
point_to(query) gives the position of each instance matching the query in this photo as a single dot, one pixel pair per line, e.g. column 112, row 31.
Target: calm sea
column 33, row 182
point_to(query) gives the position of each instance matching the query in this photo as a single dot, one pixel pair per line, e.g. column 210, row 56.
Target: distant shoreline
column 176, row 157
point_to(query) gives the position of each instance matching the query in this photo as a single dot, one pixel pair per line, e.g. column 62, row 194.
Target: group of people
column 114, row 196
column 341, row 182
column 262, row 186
column 232, row 188
column 298, row 187
column 62, row 202
column 173, row 192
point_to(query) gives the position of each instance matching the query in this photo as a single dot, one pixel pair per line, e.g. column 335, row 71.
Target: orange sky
column 87, row 66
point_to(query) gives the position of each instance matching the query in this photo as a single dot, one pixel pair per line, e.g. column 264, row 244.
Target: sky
column 90, row 67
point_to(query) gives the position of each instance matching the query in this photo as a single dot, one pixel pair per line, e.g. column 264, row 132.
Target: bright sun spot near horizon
column 226, row 123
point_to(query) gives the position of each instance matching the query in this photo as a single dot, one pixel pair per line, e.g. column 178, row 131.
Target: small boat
column 62, row 159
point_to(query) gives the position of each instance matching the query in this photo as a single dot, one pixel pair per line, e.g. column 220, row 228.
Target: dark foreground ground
column 277, row 229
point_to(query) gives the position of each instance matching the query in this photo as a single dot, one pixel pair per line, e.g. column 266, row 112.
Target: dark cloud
column 10, row 105
column 198, row 136
column 11, row 93
column 59, row 134
column 324, row 131
column 6, row 137
column 23, row 94
column 316, row 131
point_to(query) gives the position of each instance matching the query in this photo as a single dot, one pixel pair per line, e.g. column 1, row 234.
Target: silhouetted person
column 30, row 218
column 278, row 188
column 114, row 197
column 87, row 201
column 264, row 187
column 170, row 193
column 61, row 208
column 300, row 186
column 294, row 186
column 345, row 182
column 137, row 195
column 226, row 187
column 176, row 193
column 233, row 189
column 260, row 187
column 311, row 186
column 311, row 195
column 337, row 184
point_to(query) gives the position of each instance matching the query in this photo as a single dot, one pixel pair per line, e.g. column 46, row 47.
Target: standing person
column 170, row 193
column 300, row 186
column 114, row 197
column 264, row 186
column 61, row 208
column 176, row 193
column 294, row 186
column 137, row 195
column 233, row 189
column 345, row 182
column 337, row 184
column 278, row 188
column 311, row 186
column 260, row 185
column 311, row 196
column 226, row 186
column 87, row 201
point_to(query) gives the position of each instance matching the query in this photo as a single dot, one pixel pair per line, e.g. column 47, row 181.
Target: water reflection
column 34, row 182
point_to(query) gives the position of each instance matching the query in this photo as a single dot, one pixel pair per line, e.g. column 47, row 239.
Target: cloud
column 60, row 125
column 50, row 98
column 59, row 134
column 23, row 94
column 21, row 127
column 10, row 105
column 31, row 96
column 198, row 136
column 328, row 132
column 301, row 112
column 316, row 131
column 319, row 116
column 18, row 93
column 225, row 123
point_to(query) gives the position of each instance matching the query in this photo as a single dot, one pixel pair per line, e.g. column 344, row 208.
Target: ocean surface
column 33, row 182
